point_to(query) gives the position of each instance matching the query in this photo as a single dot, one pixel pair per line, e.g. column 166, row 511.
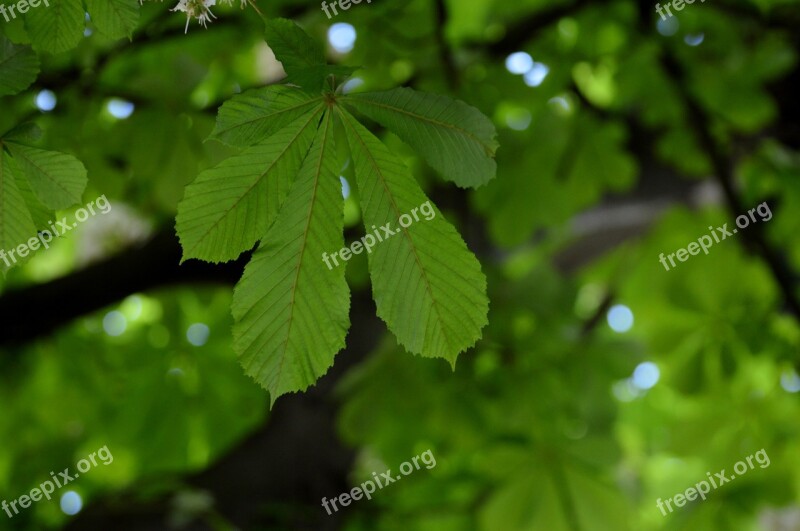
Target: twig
column 445, row 54
column 254, row 6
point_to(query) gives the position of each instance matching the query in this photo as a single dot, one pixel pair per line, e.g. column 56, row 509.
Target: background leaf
column 19, row 67
column 40, row 214
column 57, row 179
column 292, row 46
column 24, row 133
column 16, row 224
column 114, row 18
column 56, row 28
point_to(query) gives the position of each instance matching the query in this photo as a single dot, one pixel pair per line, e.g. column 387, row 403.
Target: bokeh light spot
column 620, row 318
column 790, row 381
column 519, row 119
column 561, row 104
column 668, row 27
column 519, row 62
column 351, row 84
column 342, row 37
column 535, row 76
column 625, row 391
column 71, row 502
column 46, row 100
column 197, row 334
column 694, row 40
column 119, row 108
column 645, row 375
column 115, row 323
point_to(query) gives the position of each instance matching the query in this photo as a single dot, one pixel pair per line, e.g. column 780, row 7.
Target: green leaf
column 19, row 66
column 23, row 133
column 57, row 179
column 56, row 28
column 16, row 224
column 457, row 140
column 115, row 19
column 231, row 206
column 292, row 46
column 314, row 79
column 291, row 311
column 40, row 214
column 600, row 158
column 256, row 114
column 427, row 285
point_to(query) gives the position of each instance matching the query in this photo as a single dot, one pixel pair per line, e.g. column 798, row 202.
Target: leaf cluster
column 283, row 191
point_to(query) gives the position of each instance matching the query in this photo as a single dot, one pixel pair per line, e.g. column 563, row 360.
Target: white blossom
column 200, row 9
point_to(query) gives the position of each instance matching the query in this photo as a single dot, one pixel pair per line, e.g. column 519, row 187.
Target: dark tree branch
column 35, row 311
column 445, row 53
column 722, row 165
column 526, row 28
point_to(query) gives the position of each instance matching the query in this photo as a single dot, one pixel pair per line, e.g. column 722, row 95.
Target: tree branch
column 723, row 171
column 24, row 312
column 445, row 53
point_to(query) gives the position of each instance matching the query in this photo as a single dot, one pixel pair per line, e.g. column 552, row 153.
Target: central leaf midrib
column 317, row 173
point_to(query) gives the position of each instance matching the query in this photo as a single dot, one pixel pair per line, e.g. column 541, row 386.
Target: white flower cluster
column 200, row 9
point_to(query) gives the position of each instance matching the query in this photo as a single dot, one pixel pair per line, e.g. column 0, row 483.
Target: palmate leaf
column 57, row 179
column 16, row 224
column 231, row 206
column 19, row 67
column 256, row 114
column 427, row 285
column 291, row 311
column 291, row 308
column 457, row 140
